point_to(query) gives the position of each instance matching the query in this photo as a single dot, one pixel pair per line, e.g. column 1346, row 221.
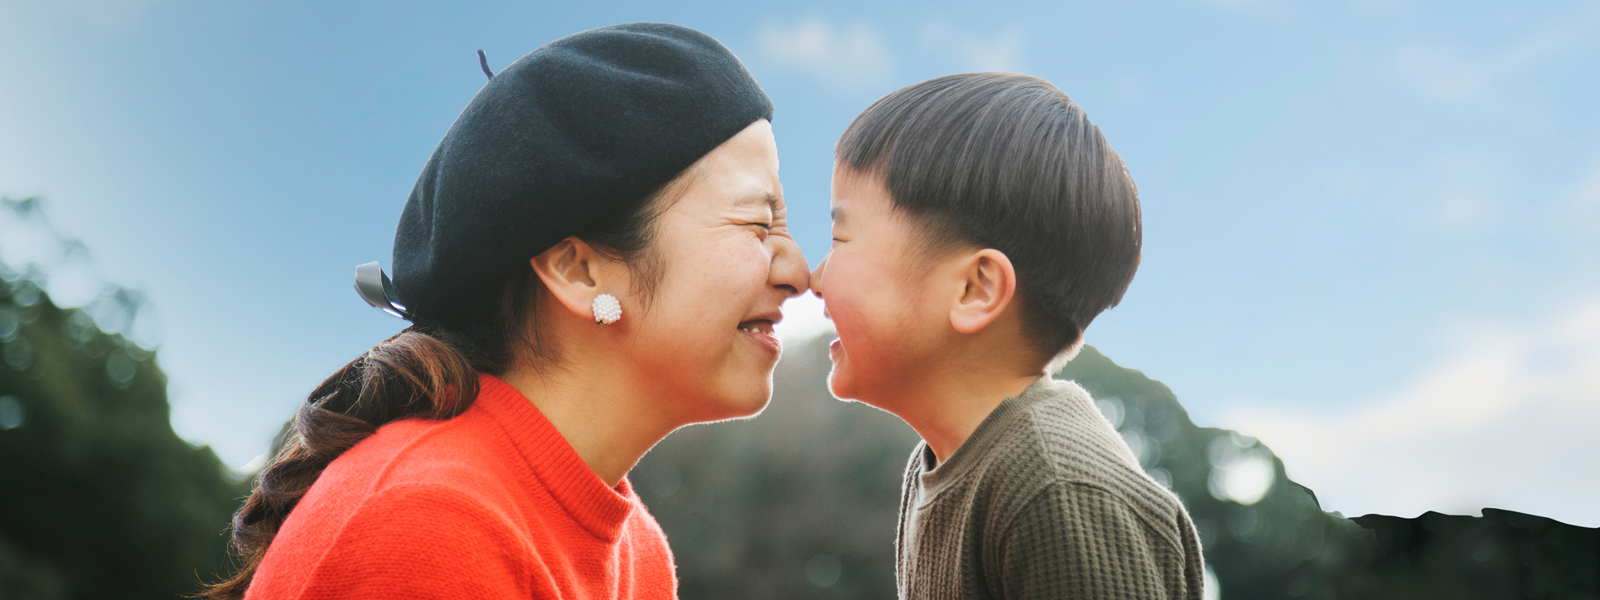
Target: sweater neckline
column 600, row 509
column 936, row 476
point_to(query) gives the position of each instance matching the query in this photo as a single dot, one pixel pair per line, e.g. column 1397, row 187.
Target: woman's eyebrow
column 767, row 197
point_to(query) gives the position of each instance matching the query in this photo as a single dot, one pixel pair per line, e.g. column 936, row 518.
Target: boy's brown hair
column 1007, row 161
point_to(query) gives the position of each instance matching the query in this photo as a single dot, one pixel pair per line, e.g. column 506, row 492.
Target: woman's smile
column 760, row 332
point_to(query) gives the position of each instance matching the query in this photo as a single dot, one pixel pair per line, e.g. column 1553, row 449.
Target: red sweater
column 491, row 504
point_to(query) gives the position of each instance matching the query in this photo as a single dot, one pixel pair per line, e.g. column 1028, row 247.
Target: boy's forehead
column 858, row 195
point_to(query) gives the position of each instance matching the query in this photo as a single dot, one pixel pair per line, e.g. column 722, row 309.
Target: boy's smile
column 873, row 295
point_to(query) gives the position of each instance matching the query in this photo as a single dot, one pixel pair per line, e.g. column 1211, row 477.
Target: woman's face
column 728, row 263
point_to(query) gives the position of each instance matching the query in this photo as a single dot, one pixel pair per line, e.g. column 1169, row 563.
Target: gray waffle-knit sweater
column 1044, row 500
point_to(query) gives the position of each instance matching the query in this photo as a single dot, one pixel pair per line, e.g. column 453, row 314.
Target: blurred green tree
column 101, row 499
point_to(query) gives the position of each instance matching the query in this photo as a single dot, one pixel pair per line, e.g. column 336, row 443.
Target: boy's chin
column 843, row 385
column 839, row 384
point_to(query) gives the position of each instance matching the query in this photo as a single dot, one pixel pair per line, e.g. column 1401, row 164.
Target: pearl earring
column 606, row 309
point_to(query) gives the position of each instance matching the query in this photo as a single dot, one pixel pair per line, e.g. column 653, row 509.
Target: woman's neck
column 606, row 418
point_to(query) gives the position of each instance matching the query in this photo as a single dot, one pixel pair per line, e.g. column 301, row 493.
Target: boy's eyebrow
column 836, row 213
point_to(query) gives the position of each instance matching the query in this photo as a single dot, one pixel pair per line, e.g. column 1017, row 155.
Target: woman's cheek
column 725, row 287
column 745, row 268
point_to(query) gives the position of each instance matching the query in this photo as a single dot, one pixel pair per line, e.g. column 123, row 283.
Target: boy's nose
column 816, row 276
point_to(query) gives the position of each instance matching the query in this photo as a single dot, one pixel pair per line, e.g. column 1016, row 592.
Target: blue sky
column 1353, row 209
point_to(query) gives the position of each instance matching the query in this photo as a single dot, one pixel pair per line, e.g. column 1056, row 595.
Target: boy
column 980, row 223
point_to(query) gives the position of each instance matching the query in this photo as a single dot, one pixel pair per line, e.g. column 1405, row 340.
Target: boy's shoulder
column 1056, row 441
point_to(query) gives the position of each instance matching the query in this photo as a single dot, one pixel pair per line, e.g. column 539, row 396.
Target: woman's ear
column 570, row 270
column 989, row 284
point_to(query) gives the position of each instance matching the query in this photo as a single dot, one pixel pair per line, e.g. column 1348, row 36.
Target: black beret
column 579, row 130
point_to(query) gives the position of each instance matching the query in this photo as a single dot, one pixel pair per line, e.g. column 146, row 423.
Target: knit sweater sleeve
column 423, row 541
column 1078, row 541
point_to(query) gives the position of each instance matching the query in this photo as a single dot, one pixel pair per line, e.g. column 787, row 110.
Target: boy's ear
column 989, row 284
column 570, row 270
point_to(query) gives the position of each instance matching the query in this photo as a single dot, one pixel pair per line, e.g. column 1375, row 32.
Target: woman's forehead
column 732, row 193
column 741, row 174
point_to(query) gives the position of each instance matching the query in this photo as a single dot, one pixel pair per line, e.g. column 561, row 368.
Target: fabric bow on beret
column 580, row 129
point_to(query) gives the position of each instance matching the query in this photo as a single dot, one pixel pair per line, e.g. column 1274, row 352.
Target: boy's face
column 884, row 307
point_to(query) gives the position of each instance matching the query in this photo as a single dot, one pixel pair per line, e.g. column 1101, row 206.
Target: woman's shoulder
column 468, row 453
column 415, row 488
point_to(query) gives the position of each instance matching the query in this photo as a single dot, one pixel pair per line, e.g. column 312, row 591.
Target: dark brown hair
column 1007, row 161
column 425, row 372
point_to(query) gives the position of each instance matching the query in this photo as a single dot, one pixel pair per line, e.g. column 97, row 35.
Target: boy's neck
column 948, row 403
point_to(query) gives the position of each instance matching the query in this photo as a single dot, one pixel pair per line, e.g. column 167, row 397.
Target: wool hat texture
column 579, row 130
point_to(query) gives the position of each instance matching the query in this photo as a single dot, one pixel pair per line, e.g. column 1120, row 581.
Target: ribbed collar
column 935, row 476
column 601, row 510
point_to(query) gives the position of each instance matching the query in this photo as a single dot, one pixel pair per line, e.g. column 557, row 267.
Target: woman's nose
column 789, row 271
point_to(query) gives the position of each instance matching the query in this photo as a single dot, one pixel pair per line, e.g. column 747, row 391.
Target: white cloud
column 1508, row 421
column 1278, row 13
column 1383, row 8
column 1461, row 192
column 1234, row 4
column 844, row 58
column 1449, row 74
column 998, row 51
column 1128, row 86
column 1442, row 73
column 1584, row 198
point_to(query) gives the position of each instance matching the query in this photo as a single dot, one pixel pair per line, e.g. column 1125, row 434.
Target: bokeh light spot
column 120, row 370
column 1241, row 471
column 18, row 354
column 1111, row 407
column 13, row 413
column 823, row 570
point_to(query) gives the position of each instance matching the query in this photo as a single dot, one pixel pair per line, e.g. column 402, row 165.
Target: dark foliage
column 98, row 497
column 1502, row 554
column 799, row 503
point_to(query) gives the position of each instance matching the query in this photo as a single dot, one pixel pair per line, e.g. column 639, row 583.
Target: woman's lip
column 766, row 341
column 834, row 348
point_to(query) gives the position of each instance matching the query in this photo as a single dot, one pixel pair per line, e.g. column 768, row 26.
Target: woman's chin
column 752, row 408
column 736, row 401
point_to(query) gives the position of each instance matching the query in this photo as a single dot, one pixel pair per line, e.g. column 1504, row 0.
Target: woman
column 593, row 257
